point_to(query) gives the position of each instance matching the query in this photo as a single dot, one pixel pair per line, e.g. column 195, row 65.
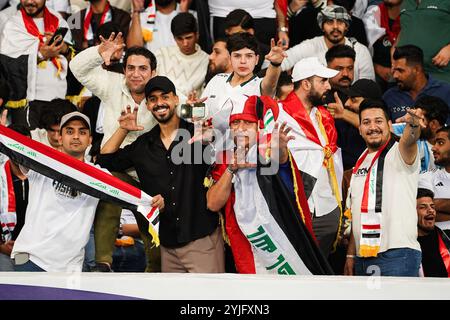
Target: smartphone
column 61, row 31
column 196, row 111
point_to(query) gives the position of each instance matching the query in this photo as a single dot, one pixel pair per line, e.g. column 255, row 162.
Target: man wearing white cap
column 314, row 149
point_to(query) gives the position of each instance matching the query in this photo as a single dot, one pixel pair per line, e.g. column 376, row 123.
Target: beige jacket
column 110, row 87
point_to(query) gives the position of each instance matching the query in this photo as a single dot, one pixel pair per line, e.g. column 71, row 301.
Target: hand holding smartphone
column 61, row 31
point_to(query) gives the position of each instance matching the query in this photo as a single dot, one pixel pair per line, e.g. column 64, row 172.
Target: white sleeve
column 365, row 64
column 294, row 55
column 426, row 180
column 87, row 69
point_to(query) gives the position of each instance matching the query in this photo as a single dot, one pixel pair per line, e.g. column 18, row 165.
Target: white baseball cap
column 309, row 67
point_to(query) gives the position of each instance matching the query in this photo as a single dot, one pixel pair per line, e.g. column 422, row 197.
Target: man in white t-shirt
column 334, row 21
column 438, row 180
column 35, row 68
column 58, row 217
column 151, row 21
column 382, row 196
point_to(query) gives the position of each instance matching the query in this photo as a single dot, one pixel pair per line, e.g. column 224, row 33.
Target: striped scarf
column 371, row 204
column 78, row 175
column 87, row 28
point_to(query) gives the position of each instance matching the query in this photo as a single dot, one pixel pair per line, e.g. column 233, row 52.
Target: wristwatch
column 283, row 29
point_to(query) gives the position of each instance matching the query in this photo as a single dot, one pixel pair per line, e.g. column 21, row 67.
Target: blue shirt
column 398, row 101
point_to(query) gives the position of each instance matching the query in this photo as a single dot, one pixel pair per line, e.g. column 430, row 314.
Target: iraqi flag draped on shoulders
column 81, row 176
column 272, row 221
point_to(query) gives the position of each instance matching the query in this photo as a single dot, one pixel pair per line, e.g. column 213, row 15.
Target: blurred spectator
column 284, row 86
column 219, row 60
column 438, row 181
column 382, row 23
column 436, row 113
column 412, row 82
column 334, row 21
column 434, row 242
column 262, row 11
column 35, row 69
column 90, row 19
column 12, row 220
column 424, row 23
column 303, row 18
column 185, row 64
column 151, row 23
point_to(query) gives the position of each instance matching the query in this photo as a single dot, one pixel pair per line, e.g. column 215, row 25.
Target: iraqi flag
column 269, row 218
column 78, row 175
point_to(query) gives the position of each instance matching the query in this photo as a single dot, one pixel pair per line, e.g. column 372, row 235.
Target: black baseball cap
column 365, row 88
column 159, row 83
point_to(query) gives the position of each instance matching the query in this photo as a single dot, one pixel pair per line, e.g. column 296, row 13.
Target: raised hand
column 239, row 161
column 128, row 120
column 276, row 54
column 279, row 141
column 414, row 117
column 336, row 108
column 110, row 47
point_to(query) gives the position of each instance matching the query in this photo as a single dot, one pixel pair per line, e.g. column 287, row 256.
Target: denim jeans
column 28, row 267
column 401, row 262
column 89, row 253
column 129, row 259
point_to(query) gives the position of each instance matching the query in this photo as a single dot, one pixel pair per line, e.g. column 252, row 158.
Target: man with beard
column 436, row 112
column 219, row 60
column 412, row 82
column 321, row 162
column 384, row 230
column 438, row 181
column 115, row 91
column 35, row 69
column 334, row 21
column 191, row 240
column 151, row 21
column 434, row 242
column 86, row 22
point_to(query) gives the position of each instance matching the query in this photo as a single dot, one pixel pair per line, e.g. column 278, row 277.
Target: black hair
column 340, row 51
column 422, row 192
column 53, row 116
column 20, row 128
column 106, row 29
column 239, row 17
column 347, row 4
column 283, row 80
column 373, row 104
column 435, row 108
column 412, row 54
column 444, row 129
column 140, row 51
column 183, row 23
column 242, row 40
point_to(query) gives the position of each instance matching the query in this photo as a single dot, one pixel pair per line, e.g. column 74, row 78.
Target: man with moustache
column 438, row 181
column 86, row 22
column 116, row 90
column 334, row 21
column 412, row 82
column 35, row 69
column 308, row 118
column 384, row 230
column 434, row 242
column 164, row 160
column 219, row 60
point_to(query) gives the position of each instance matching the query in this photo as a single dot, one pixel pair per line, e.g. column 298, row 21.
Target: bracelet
column 350, row 256
column 275, row 64
column 231, row 171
